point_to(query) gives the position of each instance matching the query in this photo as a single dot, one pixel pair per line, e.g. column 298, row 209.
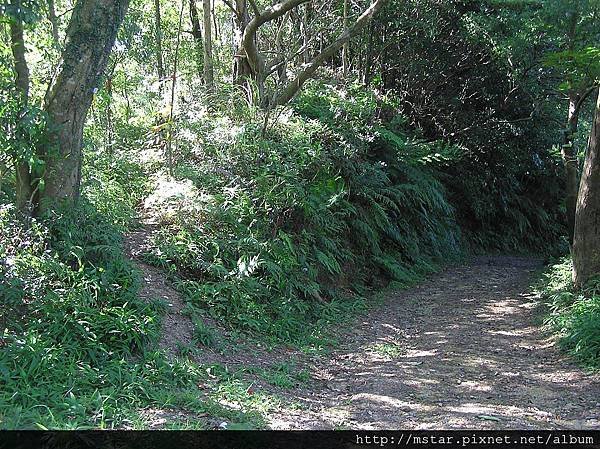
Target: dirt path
column 155, row 285
column 463, row 350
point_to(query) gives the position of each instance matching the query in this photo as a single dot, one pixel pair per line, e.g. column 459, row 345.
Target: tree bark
column 53, row 22
column 195, row 20
column 569, row 156
column 346, row 44
column 173, row 87
column 586, row 244
column 160, row 67
column 294, row 86
column 197, row 35
column 306, row 32
column 209, row 77
column 251, row 61
column 24, row 181
column 89, row 39
column 241, row 67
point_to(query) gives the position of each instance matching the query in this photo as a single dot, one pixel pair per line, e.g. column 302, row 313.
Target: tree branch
column 583, row 97
column 249, row 36
column 294, row 86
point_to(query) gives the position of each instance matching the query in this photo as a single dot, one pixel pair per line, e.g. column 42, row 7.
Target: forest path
column 462, row 350
column 154, row 285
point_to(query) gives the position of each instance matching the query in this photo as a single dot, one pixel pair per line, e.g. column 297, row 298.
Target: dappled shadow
column 460, row 351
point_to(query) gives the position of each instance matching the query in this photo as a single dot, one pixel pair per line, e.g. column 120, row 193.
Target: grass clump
column 573, row 315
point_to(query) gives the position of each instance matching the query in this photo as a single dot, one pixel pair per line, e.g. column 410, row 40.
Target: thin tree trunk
column 568, row 150
column 586, row 244
column 53, row 22
column 346, row 45
column 215, row 22
column 569, row 156
column 173, row 87
column 159, row 52
column 24, row 187
column 90, row 37
column 369, row 55
column 109, row 116
column 306, row 32
column 197, row 35
column 208, row 58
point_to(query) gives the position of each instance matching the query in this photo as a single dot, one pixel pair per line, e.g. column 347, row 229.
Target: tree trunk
column 195, row 20
column 346, row 45
column 368, row 56
column 249, row 53
column 173, row 88
column 209, row 77
column 53, row 22
column 89, row 39
column 569, row 156
column 160, row 67
column 197, row 35
column 586, row 245
column 24, row 187
column 306, row 32
column 241, row 67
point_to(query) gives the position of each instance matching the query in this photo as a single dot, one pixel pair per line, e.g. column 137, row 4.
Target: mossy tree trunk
column 90, row 37
column 208, row 57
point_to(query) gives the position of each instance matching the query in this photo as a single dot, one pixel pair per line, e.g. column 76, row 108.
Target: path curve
column 465, row 349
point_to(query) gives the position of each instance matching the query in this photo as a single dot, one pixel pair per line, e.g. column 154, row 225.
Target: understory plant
column 274, row 230
column 574, row 315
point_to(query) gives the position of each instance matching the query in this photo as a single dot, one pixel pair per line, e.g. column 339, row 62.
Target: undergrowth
column 573, row 315
column 77, row 344
column 282, row 232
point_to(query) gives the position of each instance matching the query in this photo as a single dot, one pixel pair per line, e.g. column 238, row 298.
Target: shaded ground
column 462, row 350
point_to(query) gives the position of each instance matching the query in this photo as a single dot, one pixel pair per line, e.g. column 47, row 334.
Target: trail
column 463, row 350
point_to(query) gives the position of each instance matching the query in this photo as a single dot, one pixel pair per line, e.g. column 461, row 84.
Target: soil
column 466, row 349
column 177, row 327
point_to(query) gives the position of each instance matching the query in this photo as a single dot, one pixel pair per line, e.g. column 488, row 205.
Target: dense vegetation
column 425, row 132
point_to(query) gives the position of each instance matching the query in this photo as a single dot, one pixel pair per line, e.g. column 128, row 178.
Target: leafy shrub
column 574, row 315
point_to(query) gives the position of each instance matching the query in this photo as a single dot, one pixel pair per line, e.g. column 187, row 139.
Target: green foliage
column 280, row 228
column 23, row 130
column 512, row 205
column 74, row 334
column 28, row 11
column 204, row 334
column 580, row 66
column 573, row 315
column 114, row 185
column 501, row 176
